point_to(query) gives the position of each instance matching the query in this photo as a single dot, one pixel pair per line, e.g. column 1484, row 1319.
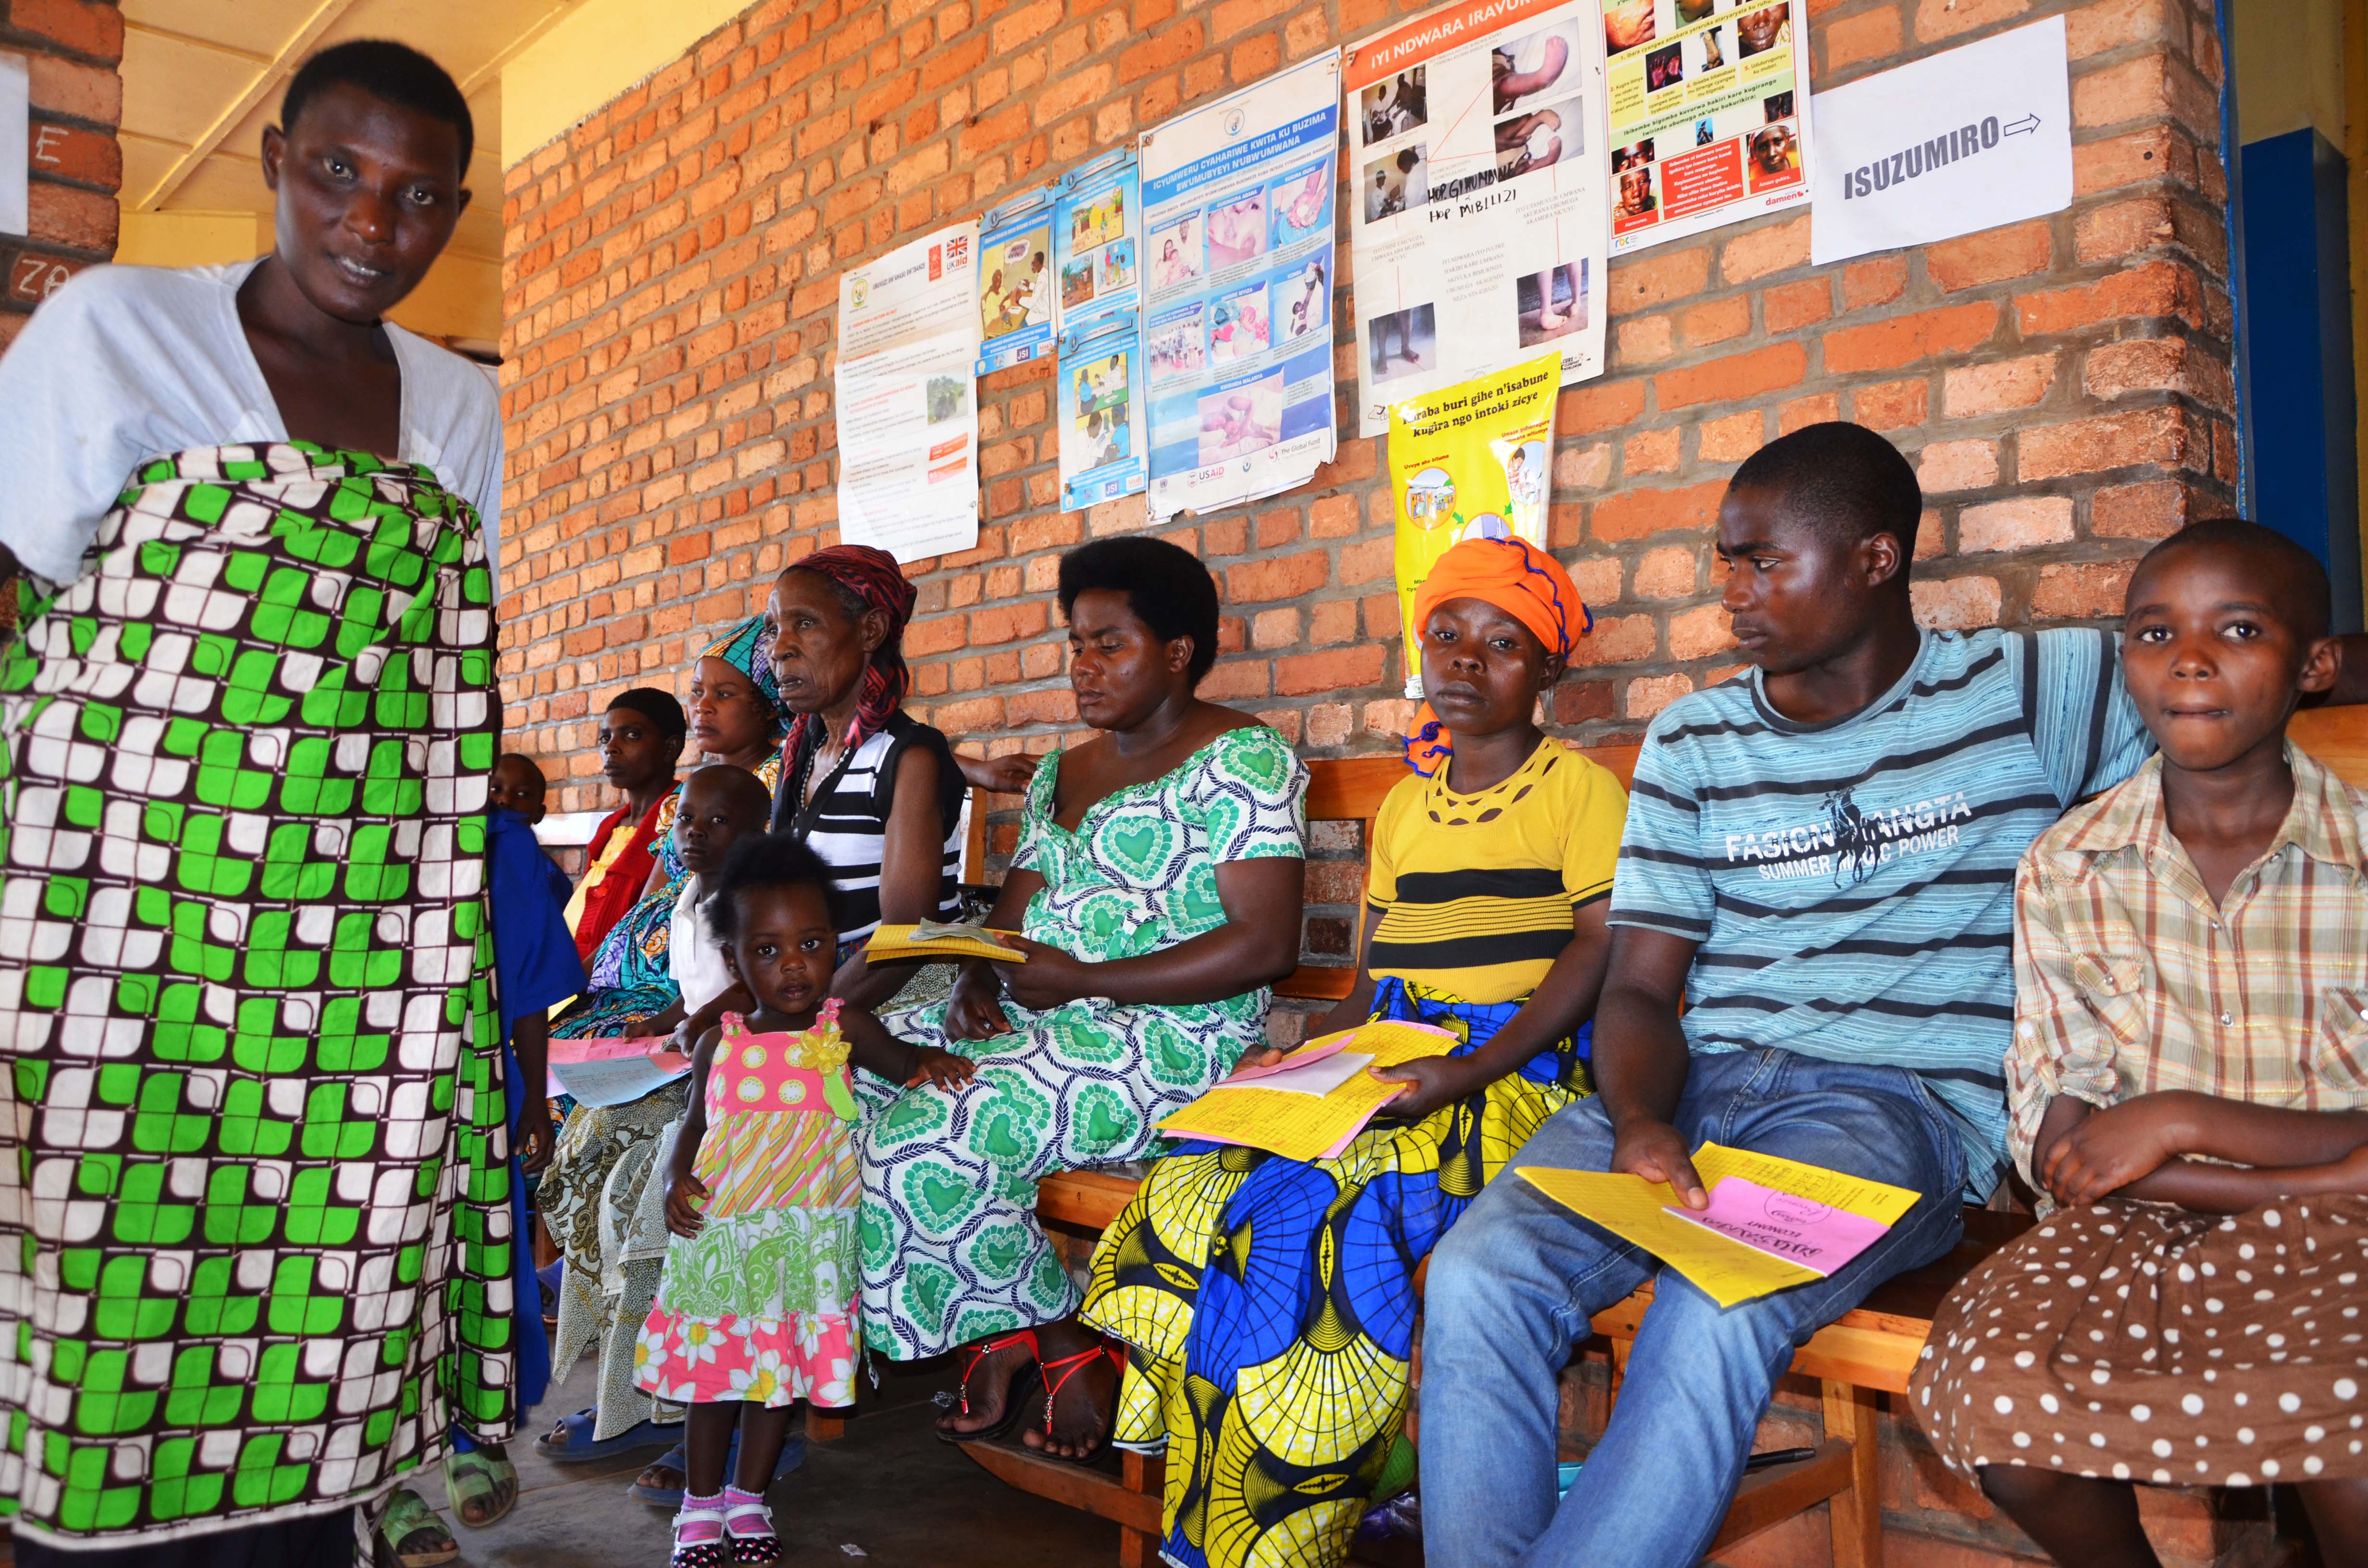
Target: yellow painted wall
column 601, row 49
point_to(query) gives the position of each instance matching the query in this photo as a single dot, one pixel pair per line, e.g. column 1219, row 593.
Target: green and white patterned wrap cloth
column 257, row 1200
column 950, row 1247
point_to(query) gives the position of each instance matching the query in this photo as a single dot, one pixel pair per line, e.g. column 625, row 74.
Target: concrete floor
column 888, row 1494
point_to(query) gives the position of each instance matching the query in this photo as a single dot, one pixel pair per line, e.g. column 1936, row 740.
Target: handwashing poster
column 1469, row 462
column 1238, row 277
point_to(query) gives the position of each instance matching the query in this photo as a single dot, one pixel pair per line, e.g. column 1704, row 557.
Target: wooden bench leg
column 1620, row 1348
column 1145, row 1473
column 1856, row 1513
column 824, row 1428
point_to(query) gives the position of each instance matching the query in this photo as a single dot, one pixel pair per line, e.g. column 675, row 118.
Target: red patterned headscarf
column 868, row 578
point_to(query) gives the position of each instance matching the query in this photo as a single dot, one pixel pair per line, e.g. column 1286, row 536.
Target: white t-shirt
column 693, row 960
column 123, row 365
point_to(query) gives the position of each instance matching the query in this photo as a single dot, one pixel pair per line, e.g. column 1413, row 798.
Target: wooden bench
column 1867, row 1352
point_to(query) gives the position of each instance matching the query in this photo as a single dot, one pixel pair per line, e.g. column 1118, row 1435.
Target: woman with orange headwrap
column 1490, row 869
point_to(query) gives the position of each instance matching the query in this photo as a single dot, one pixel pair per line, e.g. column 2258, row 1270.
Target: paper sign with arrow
column 1953, row 144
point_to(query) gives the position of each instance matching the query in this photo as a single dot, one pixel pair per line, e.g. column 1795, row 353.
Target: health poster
column 1101, row 411
column 1477, row 186
column 1469, row 462
column 907, row 414
column 1238, row 277
column 1015, row 282
column 1710, row 104
column 1096, row 237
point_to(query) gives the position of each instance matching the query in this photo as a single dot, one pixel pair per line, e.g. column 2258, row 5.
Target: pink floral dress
column 760, row 1304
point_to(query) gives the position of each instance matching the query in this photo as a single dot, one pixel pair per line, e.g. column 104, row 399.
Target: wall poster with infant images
column 1710, row 113
column 1237, row 276
column 1469, row 461
column 1477, row 175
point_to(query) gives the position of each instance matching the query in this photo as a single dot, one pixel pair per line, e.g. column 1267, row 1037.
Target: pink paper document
column 1817, row 1236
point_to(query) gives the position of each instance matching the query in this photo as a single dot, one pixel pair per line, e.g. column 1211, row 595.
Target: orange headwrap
column 1518, row 578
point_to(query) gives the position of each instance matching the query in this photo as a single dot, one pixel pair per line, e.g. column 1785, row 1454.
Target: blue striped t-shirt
column 1852, row 883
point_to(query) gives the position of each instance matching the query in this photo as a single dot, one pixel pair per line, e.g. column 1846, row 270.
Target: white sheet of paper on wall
column 16, row 108
column 1956, row 142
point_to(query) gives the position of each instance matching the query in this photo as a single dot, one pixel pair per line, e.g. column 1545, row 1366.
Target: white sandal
column 757, row 1548
column 712, row 1551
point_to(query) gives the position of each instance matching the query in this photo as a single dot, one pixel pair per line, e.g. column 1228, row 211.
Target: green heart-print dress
column 952, row 1250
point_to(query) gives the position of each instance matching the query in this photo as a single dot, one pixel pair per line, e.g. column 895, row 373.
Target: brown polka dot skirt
column 2144, row 1342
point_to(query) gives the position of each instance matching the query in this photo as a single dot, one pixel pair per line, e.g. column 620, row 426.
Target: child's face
column 2213, row 657
column 786, row 947
column 1482, row 670
column 712, row 816
column 819, row 650
column 517, row 785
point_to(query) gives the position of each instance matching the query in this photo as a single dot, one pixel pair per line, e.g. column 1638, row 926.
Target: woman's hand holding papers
column 1436, row 1080
column 1048, row 979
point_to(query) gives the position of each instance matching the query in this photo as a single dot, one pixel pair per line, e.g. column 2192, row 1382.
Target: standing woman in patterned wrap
column 253, row 709
column 1158, row 884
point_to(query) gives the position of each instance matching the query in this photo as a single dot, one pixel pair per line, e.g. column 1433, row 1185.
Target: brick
column 65, row 215
column 1645, row 339
column 1957, row 465
column 1287, row 578
column 72, row 151
column 1733, row 438
column 2016, row 251
column 1651, row 452
column 1648, row 694
column 1893, row 405
column 1274, row 628
column 1756, row 253
column 1667, row 573
column 2122, row 440
column 1718, row 321
column 2088, row 591
column 1701, row 631
column 2156, row 364
column 1997, row 387
column 1866, row 284
column 1818, row 409
column 1791, row 305
column 1616, row 639
column 1868, row 35
column 1340, row 669
column 1656, row 278
column 2160, row 288
column 1947, row 19
column 1733, row 379
column 1903, row 340
column 2156, row 510
column 2113, row 24
column 1598, row 405
column 2025, row 523
column 1634, row 513
column 1956, row 604
column 86, row 27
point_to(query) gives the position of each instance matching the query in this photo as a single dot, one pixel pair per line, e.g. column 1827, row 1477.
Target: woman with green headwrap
column 593, row 1192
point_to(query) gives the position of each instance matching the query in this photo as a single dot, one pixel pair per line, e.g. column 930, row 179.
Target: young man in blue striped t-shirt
column 1819, row 861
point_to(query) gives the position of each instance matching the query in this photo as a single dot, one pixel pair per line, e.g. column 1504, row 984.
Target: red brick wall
column 73, row 48
column 2062, row 384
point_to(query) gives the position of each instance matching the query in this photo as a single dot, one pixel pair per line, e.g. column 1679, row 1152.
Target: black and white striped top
column 847, row 822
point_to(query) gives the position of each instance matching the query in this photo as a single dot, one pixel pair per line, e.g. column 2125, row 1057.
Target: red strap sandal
column 1066, row 1368
column 1015, row 1400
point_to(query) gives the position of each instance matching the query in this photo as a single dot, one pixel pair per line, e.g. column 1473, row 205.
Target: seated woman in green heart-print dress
column 1158, row 886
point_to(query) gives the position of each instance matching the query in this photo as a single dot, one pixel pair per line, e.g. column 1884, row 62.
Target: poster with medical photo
column 1015, row 282
column 1709, row 106
column 903, row 401
column 1475, row 135
column 1237, row 277
column 1469, row 461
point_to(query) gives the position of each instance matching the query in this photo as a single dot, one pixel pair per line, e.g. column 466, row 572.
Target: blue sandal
column 570, row 1439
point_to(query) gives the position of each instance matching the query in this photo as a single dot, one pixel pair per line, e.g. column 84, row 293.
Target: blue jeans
column 1514, row 1284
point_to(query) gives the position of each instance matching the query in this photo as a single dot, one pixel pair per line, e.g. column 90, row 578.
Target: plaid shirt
column 2129, row 981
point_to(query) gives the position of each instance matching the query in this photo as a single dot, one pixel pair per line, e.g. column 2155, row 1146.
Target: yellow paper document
column 1727, row 1271
column 1302, row 1125
column 902, row 944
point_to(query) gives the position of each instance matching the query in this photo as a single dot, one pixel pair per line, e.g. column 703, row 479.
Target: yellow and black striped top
column 1475, row 892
